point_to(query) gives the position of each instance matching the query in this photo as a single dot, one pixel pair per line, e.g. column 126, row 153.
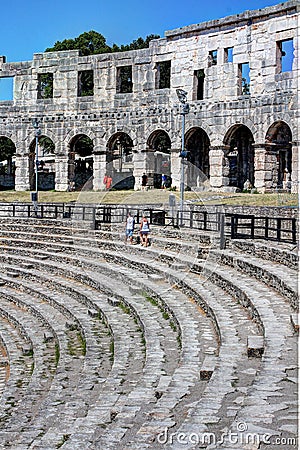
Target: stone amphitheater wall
column 240, row 136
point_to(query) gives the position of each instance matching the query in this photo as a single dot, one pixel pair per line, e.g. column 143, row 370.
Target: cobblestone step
column 167, row 395
column 71, row 392
column 127, row 275
column 48, row 263
column 283, row 281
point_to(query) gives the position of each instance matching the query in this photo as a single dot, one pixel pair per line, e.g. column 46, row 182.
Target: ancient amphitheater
column 119, row 113
column 188, row 343
column 178, row 345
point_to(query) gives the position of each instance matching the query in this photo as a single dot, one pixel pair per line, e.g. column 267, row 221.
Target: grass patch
column 63, row 440
column 57, row 354
column 155, row 196
column 151, row 300
column 124, row 308
column 82, row 342
column 112, row 350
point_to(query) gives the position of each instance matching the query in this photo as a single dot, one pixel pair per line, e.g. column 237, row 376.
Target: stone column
column 99, row 170
column 175, row 167
column 260, row 167
column 295, row 168
column 140, row 165
column 270, row 169
column 61, row 172
column 218, row 167
column 22, row 173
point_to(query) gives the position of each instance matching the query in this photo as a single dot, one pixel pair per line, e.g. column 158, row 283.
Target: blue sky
column 31, row 26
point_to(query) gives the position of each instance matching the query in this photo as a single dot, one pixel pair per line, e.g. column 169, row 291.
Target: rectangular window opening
column 85, row 83
column 244, row 79
column 6, row 89
column 124, row 79
column 198, row 90
column 163, row 75
column 45, row 85
column 285, row 56
column 228, row 55
column 212, row 58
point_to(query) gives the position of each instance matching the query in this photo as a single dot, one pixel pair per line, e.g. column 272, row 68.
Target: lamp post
column 182, row 97
column 34, row 195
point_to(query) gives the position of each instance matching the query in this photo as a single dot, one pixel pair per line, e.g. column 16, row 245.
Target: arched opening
column 197, row 144
column 160, row 143
column 46, row 164
column 240, row 156
column 279, row 141
column 7, row 163
column 119, row 158
column 80, row 168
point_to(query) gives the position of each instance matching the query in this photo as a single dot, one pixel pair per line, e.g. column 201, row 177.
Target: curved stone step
column 208, row 277
column 283, row 281
column 282, row 253
column 83, row 383
column 188, row 328
column 127, row 271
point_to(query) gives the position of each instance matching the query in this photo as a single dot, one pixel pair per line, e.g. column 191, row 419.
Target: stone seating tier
column 135, row 328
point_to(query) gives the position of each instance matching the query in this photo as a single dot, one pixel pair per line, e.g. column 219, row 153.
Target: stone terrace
column 112, row 346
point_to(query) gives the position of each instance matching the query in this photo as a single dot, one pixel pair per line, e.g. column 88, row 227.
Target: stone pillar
column 61, row 172
column 270, row 169
column 218, row 167
column 175, row 167
column 139, row 167
column 99, row 170
column 295, row 168
column 22, row 173
column 260, row 167
column 144, row 162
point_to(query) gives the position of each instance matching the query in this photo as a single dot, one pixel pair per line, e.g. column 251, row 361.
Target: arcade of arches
column 238, row 163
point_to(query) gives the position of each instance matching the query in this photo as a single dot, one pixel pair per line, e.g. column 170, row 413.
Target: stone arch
column 119, row 160
column 197, row 144
column 80, row 161
column 159, row 145
column 7, row 163
column 278, row 141
column 240, row 155
column 46, row 163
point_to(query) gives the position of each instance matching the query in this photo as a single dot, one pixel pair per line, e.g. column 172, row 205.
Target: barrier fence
column 229, row 225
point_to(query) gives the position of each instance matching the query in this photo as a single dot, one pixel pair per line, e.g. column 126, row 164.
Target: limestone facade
column 241, row 75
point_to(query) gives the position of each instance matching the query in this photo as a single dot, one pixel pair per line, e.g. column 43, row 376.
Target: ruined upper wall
column 247, row 17
column 253, row 36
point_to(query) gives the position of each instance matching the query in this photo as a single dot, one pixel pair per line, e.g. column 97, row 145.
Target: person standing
column 144, row 182
column 129, row 228
column 107, row 180
column 144, row 231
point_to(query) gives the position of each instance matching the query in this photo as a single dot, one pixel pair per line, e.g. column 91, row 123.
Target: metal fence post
column 205, row 220
column 222, row 231
column 233, row 227
column 266, row 227
column 252, row 227
column 294, row 231
column 278, row 228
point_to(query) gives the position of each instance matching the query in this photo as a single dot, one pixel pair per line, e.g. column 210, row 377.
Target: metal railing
column 279, row 229
column 229, row 225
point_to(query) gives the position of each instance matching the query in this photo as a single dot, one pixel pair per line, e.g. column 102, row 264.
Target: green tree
column 7, row 148
column 93, row 43
column 46, row 145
